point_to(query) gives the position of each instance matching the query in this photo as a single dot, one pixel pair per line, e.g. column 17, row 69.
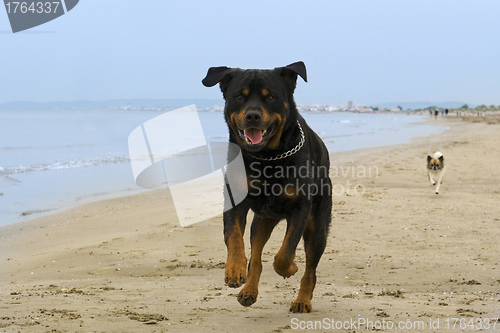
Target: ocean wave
column 367, row 133
column 326, row 137
column 16, row 148
column 13, row 148
column 6, row 180
column 63, row 165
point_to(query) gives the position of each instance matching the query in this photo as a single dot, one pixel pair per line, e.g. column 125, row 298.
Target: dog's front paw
column 236, row 274
column 301, row 307
column 247, row 297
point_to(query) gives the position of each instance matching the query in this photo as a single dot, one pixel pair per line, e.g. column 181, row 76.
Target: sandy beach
column 397, row 253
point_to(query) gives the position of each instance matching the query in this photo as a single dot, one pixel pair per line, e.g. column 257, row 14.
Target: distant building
column 365, row 109
column 333, row 108
column 349, row 105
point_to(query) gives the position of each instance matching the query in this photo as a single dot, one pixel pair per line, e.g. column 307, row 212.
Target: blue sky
column 365, row 51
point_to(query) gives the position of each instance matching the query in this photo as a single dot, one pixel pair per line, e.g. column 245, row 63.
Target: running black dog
column 287, row 168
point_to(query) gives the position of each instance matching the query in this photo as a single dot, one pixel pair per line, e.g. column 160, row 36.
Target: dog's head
column 258, row 102
column 435, row 163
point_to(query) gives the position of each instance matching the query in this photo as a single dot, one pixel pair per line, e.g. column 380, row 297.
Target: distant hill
column 421, row 105
column 116, row 103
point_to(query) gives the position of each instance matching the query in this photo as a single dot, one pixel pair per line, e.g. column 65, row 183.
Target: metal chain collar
column 289, row 153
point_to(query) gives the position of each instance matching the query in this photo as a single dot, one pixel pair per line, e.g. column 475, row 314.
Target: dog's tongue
column 254, row 135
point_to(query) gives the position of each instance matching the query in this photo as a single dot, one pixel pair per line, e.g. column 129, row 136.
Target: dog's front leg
column 234, row 228
column 431, row 179
column 260, row 232
column 440, row 180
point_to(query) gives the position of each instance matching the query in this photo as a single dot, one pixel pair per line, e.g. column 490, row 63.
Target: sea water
column 52, row 159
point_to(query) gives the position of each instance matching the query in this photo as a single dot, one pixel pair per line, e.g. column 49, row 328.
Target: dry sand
column 396, row 253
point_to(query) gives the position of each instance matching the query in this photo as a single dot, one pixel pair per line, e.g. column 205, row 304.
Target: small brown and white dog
column 435, row 169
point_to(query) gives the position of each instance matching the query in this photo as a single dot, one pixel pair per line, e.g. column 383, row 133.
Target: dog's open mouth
column 255, row 136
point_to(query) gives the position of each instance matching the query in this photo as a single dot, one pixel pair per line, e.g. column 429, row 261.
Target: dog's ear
column 290, row 72
column 441, row 160
column 429, row 159
column 220, row 75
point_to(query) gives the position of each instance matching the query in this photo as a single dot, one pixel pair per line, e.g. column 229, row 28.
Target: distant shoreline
column 206, row 104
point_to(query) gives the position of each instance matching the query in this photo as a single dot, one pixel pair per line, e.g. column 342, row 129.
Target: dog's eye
column 240, row 98
column 270, row 98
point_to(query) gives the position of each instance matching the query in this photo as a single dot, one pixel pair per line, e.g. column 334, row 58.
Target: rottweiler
column 287, row 173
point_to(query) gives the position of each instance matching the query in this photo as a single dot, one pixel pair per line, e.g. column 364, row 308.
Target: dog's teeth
column 264, row 132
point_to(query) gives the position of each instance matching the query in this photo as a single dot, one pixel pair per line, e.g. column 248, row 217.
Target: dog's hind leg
column 259, row 235
column 315, row 236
